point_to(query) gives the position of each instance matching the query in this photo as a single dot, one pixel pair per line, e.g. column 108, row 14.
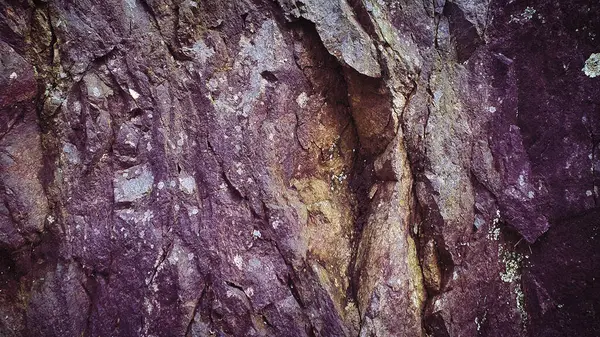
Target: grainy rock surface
column 299, row 168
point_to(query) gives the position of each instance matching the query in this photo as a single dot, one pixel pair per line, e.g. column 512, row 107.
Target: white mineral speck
column 521, row 180
column 302, row 100
column 134, row 94
column 249, row 292
column 238, row 261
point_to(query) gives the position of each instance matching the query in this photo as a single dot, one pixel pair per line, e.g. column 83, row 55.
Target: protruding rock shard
column 341, row 33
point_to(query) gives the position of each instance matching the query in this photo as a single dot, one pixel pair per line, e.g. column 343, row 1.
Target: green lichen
column 512, row 266
column 513, row 261
column 592, row 66
column 337, row 179
column 521, row 303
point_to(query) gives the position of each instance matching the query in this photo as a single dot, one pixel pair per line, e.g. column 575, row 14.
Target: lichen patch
column 592, row 66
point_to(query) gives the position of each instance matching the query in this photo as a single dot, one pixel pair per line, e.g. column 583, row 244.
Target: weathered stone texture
column 299, row 168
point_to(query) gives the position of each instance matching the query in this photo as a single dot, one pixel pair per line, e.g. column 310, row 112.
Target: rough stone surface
column 299, row 168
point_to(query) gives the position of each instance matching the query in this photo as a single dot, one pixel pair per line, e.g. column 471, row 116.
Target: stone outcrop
column 299, row 168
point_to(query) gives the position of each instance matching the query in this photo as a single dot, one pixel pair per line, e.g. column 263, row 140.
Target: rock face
column 299, row 168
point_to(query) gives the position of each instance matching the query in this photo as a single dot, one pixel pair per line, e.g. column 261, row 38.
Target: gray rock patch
column 133, row 183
